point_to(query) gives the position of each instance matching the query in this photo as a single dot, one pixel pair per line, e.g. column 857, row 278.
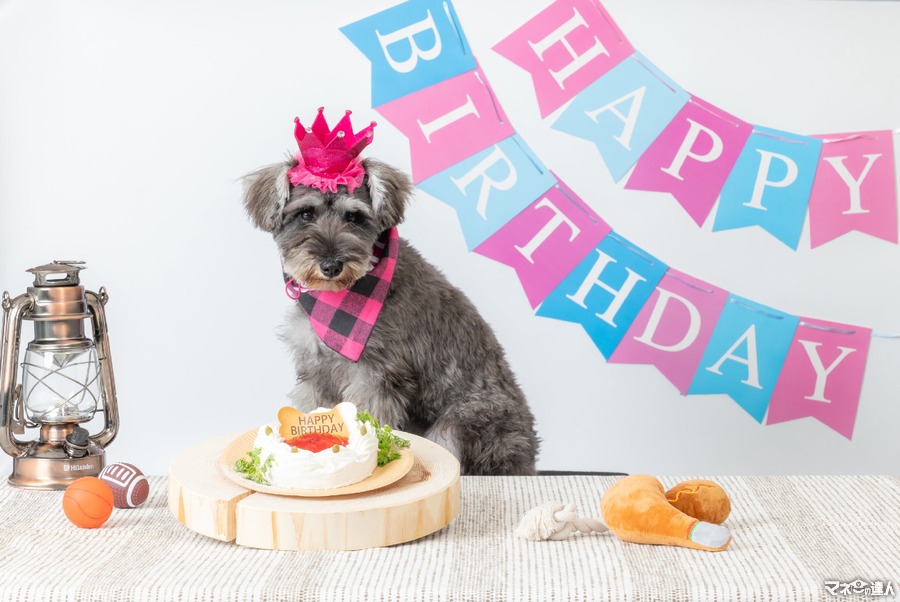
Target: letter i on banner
column 855, row 187
column 412, row 45
column 448, row 122
column 623, row 112
column 745, row 354
column 822, row 375
column 491, row 187
column 692, row 157
column 605, row 292
column 565, row 48
column 673, row 328
column 546, row 240
column 770, row 184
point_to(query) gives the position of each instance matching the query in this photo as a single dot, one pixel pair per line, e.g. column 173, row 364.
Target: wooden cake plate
column 204, row 500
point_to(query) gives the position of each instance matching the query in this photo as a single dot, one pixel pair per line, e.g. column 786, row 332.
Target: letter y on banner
column 855, row 188
column 822, row 375
column 412, row 46
column 565, row 48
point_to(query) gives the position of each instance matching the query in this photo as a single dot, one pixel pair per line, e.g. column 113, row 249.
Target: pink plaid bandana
column 345, row 319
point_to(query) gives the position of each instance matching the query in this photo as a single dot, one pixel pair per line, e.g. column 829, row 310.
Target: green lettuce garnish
column 253, row 469
column 389, row 444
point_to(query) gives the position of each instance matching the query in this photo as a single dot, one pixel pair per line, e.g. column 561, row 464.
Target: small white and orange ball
column 128, row 484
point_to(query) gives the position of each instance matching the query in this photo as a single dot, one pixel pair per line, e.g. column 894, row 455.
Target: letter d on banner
column 673, row 328
column 412, row 46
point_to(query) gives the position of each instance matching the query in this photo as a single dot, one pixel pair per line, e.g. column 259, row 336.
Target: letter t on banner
column 412, row 46
column 565, row 48
column 822, row 375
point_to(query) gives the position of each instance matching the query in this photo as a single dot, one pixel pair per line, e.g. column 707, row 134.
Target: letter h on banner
column 565, row 48
column 605, row 292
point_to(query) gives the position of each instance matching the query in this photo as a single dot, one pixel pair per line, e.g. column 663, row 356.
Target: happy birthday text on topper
column 294, row 423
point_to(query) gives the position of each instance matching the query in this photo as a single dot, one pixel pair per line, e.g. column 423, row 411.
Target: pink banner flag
column 565, row 48
column 672, row 329
column 448, row 122
column 692, row 157
column 822, row 375
column 855, row 187
column 546, row 240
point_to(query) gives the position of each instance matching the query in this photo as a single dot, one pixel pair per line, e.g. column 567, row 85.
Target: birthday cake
column 324, row 449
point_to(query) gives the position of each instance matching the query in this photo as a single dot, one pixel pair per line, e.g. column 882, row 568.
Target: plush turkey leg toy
column 638, row 510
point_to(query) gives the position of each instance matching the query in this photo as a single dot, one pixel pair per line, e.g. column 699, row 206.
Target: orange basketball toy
column 88, row 502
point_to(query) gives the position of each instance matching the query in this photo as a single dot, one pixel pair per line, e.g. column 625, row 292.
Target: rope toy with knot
column 556, row 521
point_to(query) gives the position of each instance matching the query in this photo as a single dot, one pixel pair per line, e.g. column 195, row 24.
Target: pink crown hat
column 329, row 158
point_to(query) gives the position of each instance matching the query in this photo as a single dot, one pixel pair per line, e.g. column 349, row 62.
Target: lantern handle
column 13, row 309
column 107, row 379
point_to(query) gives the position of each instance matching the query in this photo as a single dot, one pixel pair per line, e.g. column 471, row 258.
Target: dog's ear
column 266, row 190
column 390, row 190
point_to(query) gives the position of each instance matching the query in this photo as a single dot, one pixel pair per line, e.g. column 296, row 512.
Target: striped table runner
column 792, row 535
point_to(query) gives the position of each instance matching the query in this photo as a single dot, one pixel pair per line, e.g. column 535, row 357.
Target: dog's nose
column 331, row 267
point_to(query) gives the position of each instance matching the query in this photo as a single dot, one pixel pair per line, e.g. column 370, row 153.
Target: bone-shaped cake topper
column 294, row 423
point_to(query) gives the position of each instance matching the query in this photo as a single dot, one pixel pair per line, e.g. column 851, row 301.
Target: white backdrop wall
column 125, row 127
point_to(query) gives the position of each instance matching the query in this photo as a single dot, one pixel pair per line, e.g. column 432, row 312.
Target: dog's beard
column 304, row 268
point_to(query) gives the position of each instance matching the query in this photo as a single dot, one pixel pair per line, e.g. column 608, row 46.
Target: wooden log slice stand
column 422, row 502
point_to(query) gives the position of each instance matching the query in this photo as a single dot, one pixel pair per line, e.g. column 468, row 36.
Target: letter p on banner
column 412, row 46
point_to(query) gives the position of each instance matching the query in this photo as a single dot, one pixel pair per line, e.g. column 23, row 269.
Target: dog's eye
column 354, row 217
column 308, row 215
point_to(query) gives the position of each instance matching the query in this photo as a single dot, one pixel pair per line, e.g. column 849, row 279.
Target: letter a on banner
column 673, row 328
column 546, row 240
column 412, row 46
column 745, row 354
column 605, row 292
column 623, row 112
column 692, row 157
column 566, row 47
column 448, row 122
column 769, row 185
column 491, row 187
column 822, row 375
column 855, row 188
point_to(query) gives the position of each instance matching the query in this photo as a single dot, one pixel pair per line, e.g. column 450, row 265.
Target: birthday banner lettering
column 571, row 264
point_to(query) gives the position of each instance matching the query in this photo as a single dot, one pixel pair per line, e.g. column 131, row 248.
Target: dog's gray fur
column 432, row 366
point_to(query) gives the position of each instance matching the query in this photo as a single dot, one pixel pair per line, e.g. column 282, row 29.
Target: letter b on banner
column 412, row 46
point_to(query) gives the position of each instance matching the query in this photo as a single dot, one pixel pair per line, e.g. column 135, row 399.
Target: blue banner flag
column 770, row 185
column 412, row 45
column 745, row 354
column 623, row 112
column 605, row 292
column 491, row 187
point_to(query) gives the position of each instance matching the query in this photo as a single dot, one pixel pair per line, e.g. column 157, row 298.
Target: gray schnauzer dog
column 432, row 366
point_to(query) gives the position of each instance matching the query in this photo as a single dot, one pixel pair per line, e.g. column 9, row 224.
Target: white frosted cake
column 316, row 459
